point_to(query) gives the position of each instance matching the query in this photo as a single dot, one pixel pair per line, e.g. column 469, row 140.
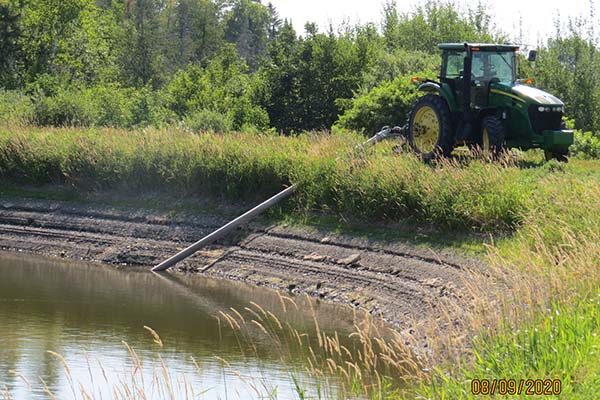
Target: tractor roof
column 480, row 46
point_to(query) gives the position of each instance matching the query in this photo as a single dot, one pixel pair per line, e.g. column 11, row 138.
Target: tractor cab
column 471, row 68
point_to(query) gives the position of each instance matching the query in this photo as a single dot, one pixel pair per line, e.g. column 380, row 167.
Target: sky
column 538, row 15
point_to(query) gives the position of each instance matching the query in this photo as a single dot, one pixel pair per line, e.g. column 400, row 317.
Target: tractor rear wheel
column 430, row 130
column 493, row 135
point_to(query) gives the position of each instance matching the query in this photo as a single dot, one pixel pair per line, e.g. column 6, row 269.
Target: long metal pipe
column 224, row 230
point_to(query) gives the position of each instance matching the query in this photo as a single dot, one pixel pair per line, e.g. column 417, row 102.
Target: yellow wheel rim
column 485, row 140
column 426, row 129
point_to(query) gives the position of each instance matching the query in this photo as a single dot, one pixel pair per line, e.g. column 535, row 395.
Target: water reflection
column 84, row 312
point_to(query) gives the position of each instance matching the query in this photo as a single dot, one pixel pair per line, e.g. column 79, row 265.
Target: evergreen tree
column 275, row 21
column 10, row 33
column 247, row 26
column 280, row 74
column 194, row 35
column 141, row 56
column 391, row 25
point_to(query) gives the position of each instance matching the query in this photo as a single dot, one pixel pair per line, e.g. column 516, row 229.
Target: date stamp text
column 511, row 387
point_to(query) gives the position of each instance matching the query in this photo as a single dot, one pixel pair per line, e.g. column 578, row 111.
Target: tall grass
column 544, row 322
column 332, row 177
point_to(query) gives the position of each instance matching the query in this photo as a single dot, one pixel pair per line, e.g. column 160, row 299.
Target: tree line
column 237, row 65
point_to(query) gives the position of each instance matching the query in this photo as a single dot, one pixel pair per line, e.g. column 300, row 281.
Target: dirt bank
column 398, row 281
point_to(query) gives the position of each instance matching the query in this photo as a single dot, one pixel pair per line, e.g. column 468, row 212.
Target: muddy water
column 89, row 314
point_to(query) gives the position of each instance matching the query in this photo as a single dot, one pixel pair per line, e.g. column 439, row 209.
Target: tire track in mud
column 389, row 285
column 398, row 281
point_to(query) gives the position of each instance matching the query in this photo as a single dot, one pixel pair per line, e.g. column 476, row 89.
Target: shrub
column 224, row 86
column 246, row 113
column 207, row 120
column 387, row 104
column 149, row 108
column 399, row 62
column 66, row 108
column 106, row 106
column 114, row 105
column 45, row 85
column 587, row 145
column 15, row 108
column 58, row 100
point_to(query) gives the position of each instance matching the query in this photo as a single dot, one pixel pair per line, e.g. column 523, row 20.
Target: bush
column 149, row 108
column 399, row 62
column 66, row 108
column 387, row 104
column 106, row 106
column 45, row 85
column 114, row 105
column 207, row 120
column 224, row 87
column 587, row 145
column 15, row 108
column 246, row 113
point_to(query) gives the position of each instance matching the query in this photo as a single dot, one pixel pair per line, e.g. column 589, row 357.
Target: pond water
column 76, row 330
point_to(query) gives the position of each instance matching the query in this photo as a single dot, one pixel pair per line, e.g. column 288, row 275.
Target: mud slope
column 398, row 281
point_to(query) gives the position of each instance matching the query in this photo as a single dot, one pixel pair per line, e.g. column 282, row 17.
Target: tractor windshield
column 488, row 65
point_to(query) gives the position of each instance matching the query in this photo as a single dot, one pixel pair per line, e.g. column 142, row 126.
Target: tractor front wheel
column 560, row 156
column 430, row 130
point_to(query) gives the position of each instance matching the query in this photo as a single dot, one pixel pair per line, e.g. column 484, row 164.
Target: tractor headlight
column 550, row 109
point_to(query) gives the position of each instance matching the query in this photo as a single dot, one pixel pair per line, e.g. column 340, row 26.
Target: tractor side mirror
column 532, row 55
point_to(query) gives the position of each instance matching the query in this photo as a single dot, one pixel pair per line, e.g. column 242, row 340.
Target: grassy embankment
column 541, row 219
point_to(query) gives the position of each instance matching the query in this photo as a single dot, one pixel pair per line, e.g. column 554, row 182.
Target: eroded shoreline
column 395, row 280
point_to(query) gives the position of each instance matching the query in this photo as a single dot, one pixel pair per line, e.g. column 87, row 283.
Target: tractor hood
column 529, row 94
column 535, row 95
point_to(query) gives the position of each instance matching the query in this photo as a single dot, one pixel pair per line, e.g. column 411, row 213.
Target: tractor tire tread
column 496, row 133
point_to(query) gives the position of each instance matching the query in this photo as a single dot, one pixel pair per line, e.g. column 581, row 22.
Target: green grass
column 562, row 344
column 464, row 241
column 374, row 186
column 123, row 199
column 9, row 189
column 548, row 323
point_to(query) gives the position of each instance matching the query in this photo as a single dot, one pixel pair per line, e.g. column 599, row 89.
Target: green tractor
column 479, row 102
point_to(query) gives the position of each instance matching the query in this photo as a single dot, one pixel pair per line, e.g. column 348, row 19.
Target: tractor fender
column 430, row 87
column 442, row 90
